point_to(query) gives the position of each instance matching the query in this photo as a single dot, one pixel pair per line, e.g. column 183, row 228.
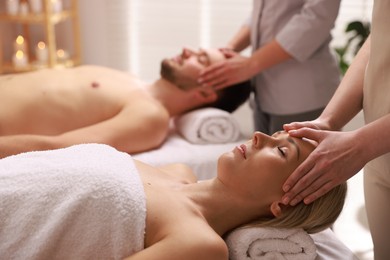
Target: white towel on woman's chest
column 82, row 202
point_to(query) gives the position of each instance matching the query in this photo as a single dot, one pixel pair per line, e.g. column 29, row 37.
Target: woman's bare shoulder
column 180, row 171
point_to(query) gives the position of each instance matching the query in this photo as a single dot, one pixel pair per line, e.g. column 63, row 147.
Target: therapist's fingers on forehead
column 313, row 142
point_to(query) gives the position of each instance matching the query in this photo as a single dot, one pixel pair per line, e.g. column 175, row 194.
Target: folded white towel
column 255, row 243
column 82, row 202
column 208, row 125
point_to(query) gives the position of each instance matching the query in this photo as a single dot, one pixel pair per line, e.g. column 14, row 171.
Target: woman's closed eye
column 283, row 151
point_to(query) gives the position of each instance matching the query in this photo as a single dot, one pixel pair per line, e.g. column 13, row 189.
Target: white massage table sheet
column 201, row 158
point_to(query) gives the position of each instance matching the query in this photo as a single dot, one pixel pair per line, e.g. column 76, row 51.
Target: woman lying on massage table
column 92, row 202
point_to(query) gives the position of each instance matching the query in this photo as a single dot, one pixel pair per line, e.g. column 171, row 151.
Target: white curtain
column 160, row 29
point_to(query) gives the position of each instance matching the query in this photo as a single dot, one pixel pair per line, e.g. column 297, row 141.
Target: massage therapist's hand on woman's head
column 337, row 157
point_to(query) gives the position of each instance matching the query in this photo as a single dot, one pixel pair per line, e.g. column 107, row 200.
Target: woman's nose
column 259, row 139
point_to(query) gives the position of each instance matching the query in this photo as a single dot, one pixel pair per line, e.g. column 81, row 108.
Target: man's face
column 183, row 70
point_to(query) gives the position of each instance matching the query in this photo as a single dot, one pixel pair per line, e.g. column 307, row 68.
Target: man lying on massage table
column 55, row 108
column 92, row 202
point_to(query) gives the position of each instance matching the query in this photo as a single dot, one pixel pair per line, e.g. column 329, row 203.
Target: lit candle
column 56, row 6
column 12, row 6
column 41, row 52
column 19, row 59
column 36, row 6
column 62, row 55
column 20, row 44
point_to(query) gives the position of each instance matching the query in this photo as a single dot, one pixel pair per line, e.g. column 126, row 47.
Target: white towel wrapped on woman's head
column 82, row 202
column 266, row 243
column 208, row 126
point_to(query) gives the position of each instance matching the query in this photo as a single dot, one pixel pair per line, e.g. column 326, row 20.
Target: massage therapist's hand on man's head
column 225, row 73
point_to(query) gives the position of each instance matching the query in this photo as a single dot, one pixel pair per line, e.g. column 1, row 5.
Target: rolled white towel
column 265, row 243
column 208, row 125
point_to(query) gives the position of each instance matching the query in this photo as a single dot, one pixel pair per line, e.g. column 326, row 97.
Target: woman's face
column 259, row 167
column 183, row 70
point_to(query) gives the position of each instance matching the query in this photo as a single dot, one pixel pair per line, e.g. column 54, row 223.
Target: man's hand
column 226, row 73
column 338, row 156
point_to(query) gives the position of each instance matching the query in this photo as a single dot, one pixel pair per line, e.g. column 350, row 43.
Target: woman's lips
column 242, row 149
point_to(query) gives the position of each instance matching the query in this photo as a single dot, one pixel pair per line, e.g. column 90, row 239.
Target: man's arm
column 14, row 144
column 132, row 130
column 136, row 128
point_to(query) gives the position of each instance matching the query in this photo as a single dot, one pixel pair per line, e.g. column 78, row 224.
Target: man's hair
column 314, row 217
column 230, row 98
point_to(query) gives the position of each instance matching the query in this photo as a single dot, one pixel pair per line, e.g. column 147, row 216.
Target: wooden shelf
column 48, row 21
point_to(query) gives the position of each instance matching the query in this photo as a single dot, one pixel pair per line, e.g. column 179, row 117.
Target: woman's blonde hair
column 313, row 217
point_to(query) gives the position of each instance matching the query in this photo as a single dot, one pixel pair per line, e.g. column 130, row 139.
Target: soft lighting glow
column 41, row 45
column 19, row 54
column 41, row 52
column 19, row 59
column 20, row 40
column 20, row 44
column 60, row 53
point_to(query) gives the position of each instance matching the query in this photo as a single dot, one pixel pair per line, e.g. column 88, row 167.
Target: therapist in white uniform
column 294, row 71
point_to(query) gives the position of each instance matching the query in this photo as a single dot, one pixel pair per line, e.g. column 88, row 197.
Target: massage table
column 90, row 184
column 202, row 157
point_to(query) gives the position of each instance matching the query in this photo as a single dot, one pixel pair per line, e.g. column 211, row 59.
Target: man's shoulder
column 145, row 105
column 147, row 112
